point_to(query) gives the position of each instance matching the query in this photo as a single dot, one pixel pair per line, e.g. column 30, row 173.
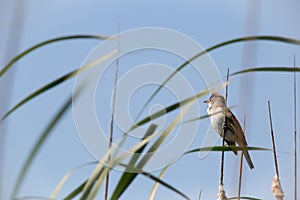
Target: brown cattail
column 221, row 193
column 276, row 188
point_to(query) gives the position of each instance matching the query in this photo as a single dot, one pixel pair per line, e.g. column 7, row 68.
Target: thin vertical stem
column 15, row 32
column 273, row 140
column 223, row 134
column 241, row 166
column 295, row 132
column 113, row 110
column 227, row 81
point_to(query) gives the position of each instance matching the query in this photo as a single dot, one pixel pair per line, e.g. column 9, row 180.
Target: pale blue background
column 208, row 22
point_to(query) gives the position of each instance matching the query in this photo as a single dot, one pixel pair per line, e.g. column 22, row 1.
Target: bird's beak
column 206, row 101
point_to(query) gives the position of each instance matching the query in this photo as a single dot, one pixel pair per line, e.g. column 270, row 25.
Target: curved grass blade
column 154, row 189
column 66, row 177
column 222, row 44
column 58, row 39
column 267, row 69
column 195, row 119
column 202, row 117
column 127, row 177
column 75, row 192
column 228, row 148
column 162, row 112
column 156, row 179
column 94, row 190
column 45, row 134
column 56, row 83
column 170, row 108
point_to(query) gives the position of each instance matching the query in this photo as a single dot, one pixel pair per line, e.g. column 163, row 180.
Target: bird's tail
column 248, row 159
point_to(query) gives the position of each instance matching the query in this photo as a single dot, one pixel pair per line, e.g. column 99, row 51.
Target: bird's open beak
column 206, row 101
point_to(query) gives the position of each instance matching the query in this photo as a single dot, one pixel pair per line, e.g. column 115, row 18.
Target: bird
column 221, row 117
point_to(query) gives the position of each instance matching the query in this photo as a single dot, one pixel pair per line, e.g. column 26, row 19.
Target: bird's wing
column 234, row 126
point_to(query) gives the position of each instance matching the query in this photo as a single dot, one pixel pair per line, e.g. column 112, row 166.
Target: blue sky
column 208, row 23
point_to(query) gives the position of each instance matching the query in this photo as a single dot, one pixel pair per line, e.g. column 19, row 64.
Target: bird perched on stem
column 221, row 117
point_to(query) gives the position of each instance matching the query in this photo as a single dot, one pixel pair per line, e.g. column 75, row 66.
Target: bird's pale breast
column 217, row 119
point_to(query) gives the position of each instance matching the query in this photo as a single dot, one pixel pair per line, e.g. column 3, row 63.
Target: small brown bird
column 221, row 116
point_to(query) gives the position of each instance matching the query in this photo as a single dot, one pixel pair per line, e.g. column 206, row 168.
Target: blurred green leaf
column 66, row 177
column 45, row 134
column 75, row 192
column 47, row 42
column 156, row 179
